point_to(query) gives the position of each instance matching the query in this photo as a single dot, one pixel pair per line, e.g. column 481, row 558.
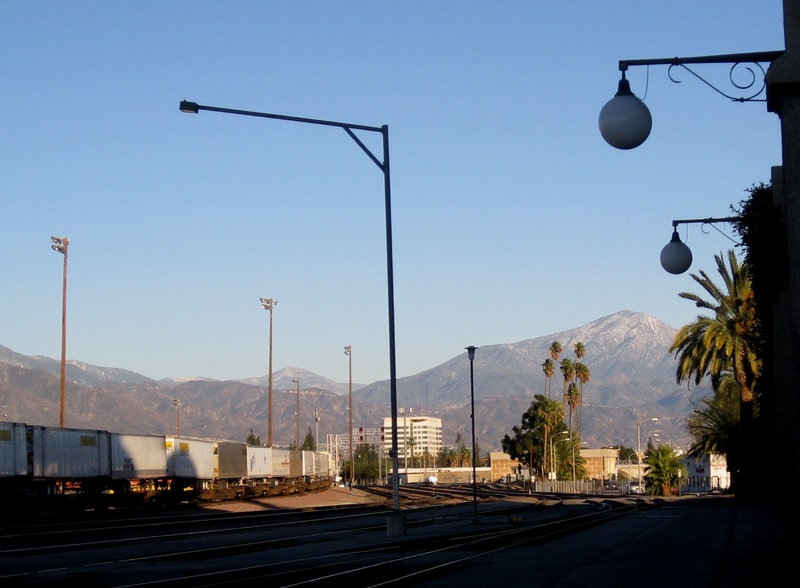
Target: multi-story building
column 416, row 436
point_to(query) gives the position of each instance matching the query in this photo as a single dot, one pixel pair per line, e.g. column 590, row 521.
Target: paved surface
column 690, row 541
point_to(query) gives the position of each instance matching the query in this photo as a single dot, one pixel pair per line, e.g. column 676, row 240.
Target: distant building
column 601, row 464
column 416, row 436
column 706, row 472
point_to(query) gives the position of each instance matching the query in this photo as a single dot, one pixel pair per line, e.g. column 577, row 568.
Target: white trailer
column 138, row 457
column 69, row 454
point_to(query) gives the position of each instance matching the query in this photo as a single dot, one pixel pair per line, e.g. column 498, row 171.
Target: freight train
column 38, row 461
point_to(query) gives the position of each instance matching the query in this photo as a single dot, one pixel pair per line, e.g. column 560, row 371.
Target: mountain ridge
column 632, row 377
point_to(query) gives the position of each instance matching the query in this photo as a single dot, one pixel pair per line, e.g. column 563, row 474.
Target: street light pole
column 61, row 244
column 297, row 420
column 193, row 107
column 348, row 351
column 471, row 354
column 269, row 304
column 177, row 404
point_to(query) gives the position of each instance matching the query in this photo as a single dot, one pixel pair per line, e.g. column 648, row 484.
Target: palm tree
column 583, row 375
column 664, row 470
column 573, row 401
column 549, row 368
column 580, row 350
column 711, row 345
column 725, row 343
column 549, row 414
column 715, row 425
column 555, row 350
column 568, row 371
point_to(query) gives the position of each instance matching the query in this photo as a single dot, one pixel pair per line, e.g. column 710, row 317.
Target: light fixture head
column 471, row 352
column 189, row 107
column 676, row 257
column 625, row 121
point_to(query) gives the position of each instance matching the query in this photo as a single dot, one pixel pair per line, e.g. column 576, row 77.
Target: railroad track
column 290, row 548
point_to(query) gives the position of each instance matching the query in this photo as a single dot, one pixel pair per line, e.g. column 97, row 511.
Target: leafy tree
column 530, row 440
column 253, row 439
column 309, row 444
column 664, row 470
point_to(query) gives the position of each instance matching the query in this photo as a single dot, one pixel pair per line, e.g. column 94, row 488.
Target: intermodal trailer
column 190, row 466
column 138, row 462
column 13, row 456
column 65, row 454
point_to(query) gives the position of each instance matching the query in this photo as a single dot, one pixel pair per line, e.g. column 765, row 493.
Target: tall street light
column 627, row 128
column 471, row 355
column 348, row 351
column 61, row 244
column 269, row 304
column 177, row 404
column 297, row 419
column 383, row 165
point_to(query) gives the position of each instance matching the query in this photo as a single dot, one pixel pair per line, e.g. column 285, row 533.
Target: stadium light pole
column 396, row 525
column 269, row 304
column 61, row 245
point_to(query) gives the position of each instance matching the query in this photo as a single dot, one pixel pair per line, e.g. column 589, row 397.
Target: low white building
column 705, row 473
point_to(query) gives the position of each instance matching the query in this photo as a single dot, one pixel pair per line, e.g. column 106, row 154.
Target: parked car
column 634, row 488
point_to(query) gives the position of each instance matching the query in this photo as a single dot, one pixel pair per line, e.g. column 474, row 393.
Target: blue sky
column 512, row 218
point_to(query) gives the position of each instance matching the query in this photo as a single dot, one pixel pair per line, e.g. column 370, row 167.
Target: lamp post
column 193, row 107
column 471, row 355
column 348, row 351
column 177, row 404
column 61, row 244
column 676, row 257
column 269, row 304
column 316, row 429
column 782, row 84
column 297, row 418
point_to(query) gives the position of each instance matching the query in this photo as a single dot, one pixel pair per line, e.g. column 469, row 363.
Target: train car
column 138, row 463
column 190, row 467
column 13, row 457
column 230, row 470
column 102, row 466
column 68, row 459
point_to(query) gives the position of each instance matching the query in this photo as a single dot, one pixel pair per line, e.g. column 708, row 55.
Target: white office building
column 417, row 436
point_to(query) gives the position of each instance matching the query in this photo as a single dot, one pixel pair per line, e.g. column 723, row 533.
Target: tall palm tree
column 573, row 401
column 555, row 350
column 580, row 350
column 710, row 344
column 568, row 371
column 725, row 343
column 582, row 375
column 548, row 414
column 549, row 369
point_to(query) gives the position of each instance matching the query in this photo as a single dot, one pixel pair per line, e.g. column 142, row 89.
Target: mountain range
column 632, row 381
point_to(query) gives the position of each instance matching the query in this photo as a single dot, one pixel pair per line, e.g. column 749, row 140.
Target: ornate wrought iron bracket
column 751, row 62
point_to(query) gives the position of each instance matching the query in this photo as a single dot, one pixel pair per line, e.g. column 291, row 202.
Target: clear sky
column 512, row 217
